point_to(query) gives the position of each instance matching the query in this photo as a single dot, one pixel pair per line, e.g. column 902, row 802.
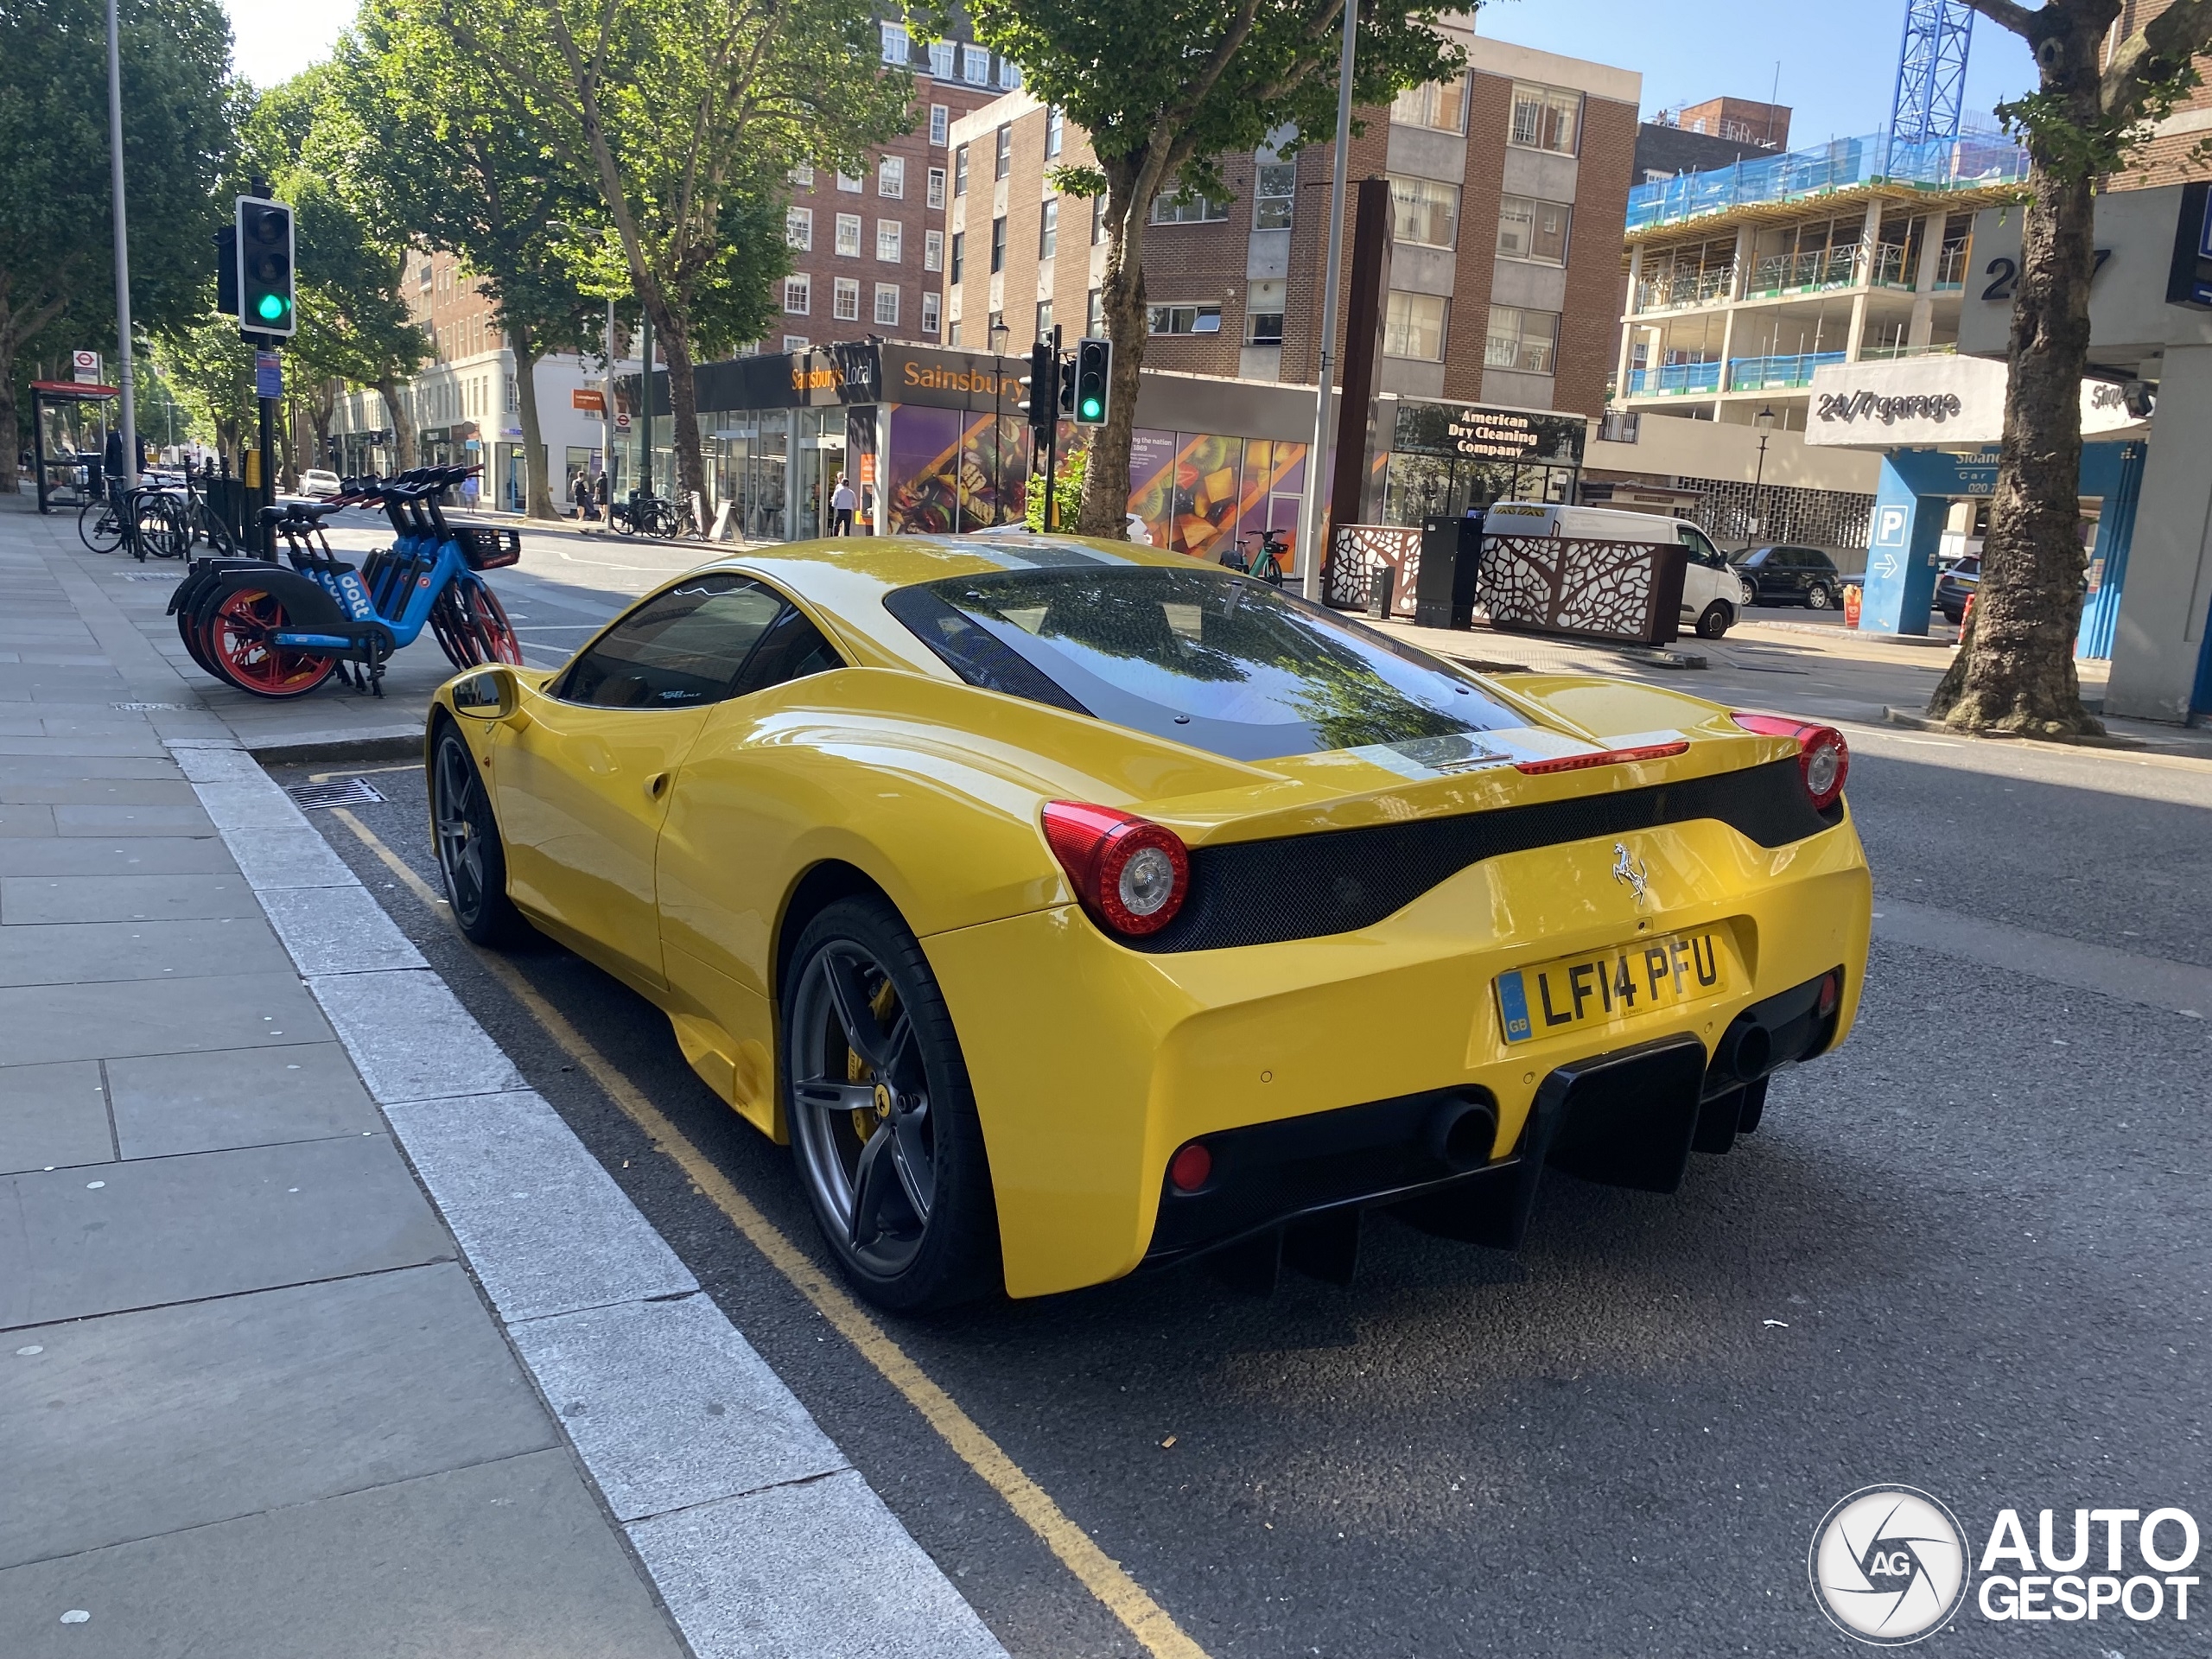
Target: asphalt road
column 1967, row 1253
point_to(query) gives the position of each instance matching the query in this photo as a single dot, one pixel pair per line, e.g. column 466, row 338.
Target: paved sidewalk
column 291, row 1262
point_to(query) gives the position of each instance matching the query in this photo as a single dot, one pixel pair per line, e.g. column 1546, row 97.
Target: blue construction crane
column 1931, row 73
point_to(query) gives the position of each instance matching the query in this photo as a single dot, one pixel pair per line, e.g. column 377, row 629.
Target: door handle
column 657, row 784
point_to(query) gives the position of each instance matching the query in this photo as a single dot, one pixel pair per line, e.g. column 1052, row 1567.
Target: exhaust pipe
column 1461, row 1132
column 1746, row 1050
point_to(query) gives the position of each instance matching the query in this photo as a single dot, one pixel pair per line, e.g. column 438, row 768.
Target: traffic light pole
column 1053, row 440
column 122, row 255
column 268, row 473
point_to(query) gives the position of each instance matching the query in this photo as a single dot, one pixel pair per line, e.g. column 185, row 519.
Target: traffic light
column 1094, row 366
column 1041, row 387
column 265, row 267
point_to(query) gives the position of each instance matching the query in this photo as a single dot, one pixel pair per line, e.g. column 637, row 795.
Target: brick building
column 1509, row 188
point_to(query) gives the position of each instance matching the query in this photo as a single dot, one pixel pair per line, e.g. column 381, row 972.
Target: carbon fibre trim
column 1308, row 887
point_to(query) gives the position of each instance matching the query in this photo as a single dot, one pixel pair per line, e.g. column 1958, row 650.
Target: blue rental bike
column 281, row 630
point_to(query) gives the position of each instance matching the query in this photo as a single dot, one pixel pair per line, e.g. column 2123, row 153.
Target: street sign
column 85, row 368
column 268, row 375
column 590, row 399
column 621, row 420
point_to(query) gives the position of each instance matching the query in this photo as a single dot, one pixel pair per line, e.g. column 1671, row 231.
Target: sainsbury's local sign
column 1940, row 399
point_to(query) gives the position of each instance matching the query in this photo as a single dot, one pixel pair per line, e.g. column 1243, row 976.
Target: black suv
column 1791, row 576
column 1955, row 586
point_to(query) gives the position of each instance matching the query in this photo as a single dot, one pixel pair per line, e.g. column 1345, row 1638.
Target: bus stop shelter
column 46, row 394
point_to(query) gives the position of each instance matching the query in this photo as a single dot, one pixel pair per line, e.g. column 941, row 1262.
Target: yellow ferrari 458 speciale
column 1070, row 906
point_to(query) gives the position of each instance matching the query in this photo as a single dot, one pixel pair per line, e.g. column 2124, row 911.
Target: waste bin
column 1444, row 589
column 1382, row 588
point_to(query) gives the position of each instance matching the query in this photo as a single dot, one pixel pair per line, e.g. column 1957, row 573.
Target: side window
column 681, row 648
column 1702, row 550
column 792, row 648
column 1814, row 559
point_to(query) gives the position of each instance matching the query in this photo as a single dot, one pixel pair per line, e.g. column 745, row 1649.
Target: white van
column 1712, row 593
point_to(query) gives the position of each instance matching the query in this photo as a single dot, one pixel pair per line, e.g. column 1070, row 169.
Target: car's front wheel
column 1714, row 621
column 883, row 1122
column 471, row 856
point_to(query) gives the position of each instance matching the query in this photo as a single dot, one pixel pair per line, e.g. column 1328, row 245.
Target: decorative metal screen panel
column 1624, row 591
column 1358, row 551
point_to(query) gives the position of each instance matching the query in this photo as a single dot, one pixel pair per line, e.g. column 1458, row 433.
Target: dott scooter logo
column 1890, row 1566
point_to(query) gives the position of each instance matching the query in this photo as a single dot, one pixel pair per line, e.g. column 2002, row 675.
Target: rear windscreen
column 1200, row 655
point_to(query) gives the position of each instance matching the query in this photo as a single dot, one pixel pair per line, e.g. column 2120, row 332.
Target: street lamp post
column 122, row 254
column 1309, row 506
column 996, row 332
column 1764, row 421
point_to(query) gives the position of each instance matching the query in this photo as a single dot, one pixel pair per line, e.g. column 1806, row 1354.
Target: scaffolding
column 1931, row 72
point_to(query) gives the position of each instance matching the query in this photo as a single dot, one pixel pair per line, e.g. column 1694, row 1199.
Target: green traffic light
column 1092, row 409
column 271, row 307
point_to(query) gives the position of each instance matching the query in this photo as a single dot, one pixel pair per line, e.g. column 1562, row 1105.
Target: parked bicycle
column 646, row 515
column 280, row 632
column 162, row 516
column 1265, row 564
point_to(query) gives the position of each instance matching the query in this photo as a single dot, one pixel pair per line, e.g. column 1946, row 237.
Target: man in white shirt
column 842, row 501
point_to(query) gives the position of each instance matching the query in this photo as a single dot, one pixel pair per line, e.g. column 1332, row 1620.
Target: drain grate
column 153, row 575
column 145, row 708
column 338, row 792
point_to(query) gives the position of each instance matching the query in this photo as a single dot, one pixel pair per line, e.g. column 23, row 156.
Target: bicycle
column 279, row 632
column 647, row 515
column 1265, row 564
column 99, row 523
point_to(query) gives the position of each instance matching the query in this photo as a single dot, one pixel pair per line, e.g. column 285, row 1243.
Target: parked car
column 319, row 482
column 1791, row 576
column 1713, row 595
column 1955, row 586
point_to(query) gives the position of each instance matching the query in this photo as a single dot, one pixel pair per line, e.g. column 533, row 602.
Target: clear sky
column 1838, row 62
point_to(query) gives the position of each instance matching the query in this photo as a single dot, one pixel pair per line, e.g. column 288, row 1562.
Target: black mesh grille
column 1306, row 887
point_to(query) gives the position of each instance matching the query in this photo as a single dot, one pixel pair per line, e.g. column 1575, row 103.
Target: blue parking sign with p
column 1891, row 525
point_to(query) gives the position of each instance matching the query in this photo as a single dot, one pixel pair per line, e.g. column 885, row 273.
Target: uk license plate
column 1621, row 982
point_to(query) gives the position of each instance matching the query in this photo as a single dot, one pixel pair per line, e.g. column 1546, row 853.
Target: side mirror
column 487, row 694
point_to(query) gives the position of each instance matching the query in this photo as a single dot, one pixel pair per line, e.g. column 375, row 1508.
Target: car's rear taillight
column 1823, row 758
column 1129, row 872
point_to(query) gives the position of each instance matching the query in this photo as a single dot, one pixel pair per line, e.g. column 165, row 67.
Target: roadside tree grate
column 338, row 792
column 153, row 575
column 146, row 707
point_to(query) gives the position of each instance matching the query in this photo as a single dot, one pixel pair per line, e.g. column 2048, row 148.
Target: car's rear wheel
column 471, row 856
column 883, row 1122
column 1714, row 621
column 1818, row 597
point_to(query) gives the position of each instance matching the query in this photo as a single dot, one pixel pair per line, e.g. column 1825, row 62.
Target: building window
column 1522, row 340
column 845, row 299
column 849, row 183
column 1098, row 221
column 798, row 228
column 848, row 235
column 1439, row 104
column 959, row 253
column 932, row 250
column 1197, row 210
column 1009, row 76
column 998, row 244
column 795, row 342
column 803, row 175
column 1425, row 212
column 940, row 125
column 1184, row 319
column 975, row 66
column 798, row 298
column 937, row 187
column 1535, row 230
column 1043, row 320
column 890, row 240
column 1545, row 117
column 1056, row 126
column 1048, row 229
column 887, row 304
column 1004, row 162
column 897, row 48
column 1275, row 189
column 1412, row 326
column 931, row 302
column 1263, row 304
column 427, row 277
column 941, row 60
column 1094, row 314
column 952, row 334
column 891, row 178
column 960, row 171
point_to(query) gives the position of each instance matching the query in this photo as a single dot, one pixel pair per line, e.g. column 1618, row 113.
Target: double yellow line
column 1098, row 1572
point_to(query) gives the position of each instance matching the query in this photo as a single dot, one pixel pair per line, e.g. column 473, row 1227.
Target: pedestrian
column 112, row 459
column 841, row 503
column 602, row 493
column 580, row 497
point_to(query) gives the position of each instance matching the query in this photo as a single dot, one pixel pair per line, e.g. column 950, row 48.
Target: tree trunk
column 1105, row 508
column 11, row 428
column 537, row 492
column 403, row 424
column 2015, row 674
column 673, row 335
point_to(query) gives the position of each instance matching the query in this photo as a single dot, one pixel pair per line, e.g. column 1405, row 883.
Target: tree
column 2015, row 668
column 685, row 116
column 1164, row 87
column 446, row 147
column 351, row 252
column 211, row 370
column 57, row 252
